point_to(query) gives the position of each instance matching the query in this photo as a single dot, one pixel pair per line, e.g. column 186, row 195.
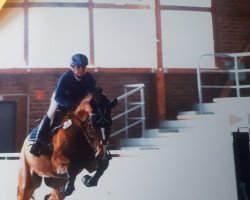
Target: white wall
column 11, row 38
column 186, row 36
column 55, row 34
column 125, row 38
column 122, row 37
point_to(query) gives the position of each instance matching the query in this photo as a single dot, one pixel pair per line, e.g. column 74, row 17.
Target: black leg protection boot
column 43, row 128
column 93, row 181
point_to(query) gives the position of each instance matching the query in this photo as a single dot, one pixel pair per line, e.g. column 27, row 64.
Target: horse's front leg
column 69, row 187
column 93, row 181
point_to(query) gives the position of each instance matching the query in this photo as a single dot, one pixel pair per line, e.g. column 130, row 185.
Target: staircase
column 198, row 147
column 235, row 112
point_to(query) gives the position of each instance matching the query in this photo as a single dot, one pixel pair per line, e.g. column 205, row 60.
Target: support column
column 160, row 78
column 91, row 32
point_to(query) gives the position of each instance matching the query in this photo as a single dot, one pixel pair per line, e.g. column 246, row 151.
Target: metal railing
column 236, row 69
column 130, row 106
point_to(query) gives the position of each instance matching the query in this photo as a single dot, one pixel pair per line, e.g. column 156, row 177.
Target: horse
column 73, row 150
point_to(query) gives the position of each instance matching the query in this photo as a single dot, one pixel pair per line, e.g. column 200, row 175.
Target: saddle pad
column 33, row 135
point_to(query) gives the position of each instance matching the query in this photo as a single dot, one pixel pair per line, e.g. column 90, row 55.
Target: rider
column 100, row 117
column 71, row 88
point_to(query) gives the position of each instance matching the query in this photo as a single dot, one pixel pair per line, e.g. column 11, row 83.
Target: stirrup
column 36, row 149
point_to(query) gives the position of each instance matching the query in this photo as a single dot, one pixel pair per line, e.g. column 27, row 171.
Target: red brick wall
column 181, row 89
column 231, row 19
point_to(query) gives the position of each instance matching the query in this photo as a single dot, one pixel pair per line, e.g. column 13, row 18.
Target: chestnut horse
column 72, row 152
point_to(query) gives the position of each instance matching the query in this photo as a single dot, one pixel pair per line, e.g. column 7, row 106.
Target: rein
column 83, row 125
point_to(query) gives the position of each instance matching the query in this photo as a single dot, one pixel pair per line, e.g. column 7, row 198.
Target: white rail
column 9, row 156
column 130, row 90
column 236, row 57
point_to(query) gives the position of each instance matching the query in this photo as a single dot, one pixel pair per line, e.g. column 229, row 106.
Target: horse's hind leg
column 27, row 183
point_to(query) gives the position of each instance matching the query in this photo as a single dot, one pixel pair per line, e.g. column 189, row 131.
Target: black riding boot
column 43, row 128
column 58, row 117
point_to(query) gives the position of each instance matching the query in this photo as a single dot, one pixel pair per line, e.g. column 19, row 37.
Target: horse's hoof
column 67, row 190
column 92, row 182
column 85, row 179
column 89, row 181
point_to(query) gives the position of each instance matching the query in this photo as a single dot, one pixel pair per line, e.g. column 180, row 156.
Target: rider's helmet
column 79, row 60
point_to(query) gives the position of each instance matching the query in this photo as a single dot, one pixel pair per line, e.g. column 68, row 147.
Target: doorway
column 7, row 127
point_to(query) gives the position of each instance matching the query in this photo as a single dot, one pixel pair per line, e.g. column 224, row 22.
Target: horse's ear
column 88, row 97
column 82, row 115
column 88, row 109
column 84, row 109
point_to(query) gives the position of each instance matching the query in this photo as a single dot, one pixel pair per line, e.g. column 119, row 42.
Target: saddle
column 47, row 148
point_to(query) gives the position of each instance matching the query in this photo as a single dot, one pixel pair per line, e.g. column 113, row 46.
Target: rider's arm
column 62, row 94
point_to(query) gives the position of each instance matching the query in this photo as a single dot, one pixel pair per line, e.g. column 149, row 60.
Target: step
column 206, row 108
column 143, row 142
column 192, row 112
column 232, row 99
column 177, row 124
column 171, row 134
column 229, row 108
column 192, row 115
column 138, row 148
column 151, row 133
column 169, row 130
column 157, row 133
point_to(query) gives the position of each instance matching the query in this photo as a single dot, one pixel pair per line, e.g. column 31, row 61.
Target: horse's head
column 97, row 93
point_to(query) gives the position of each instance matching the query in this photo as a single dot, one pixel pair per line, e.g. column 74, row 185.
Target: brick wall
column 181, row 88
column 39, row 84
column 181, row 91
column 231, row 19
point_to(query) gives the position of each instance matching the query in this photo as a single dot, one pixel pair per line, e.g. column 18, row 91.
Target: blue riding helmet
column 79, row 60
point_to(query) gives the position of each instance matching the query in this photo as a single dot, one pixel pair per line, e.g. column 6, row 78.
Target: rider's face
column 79, row 70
